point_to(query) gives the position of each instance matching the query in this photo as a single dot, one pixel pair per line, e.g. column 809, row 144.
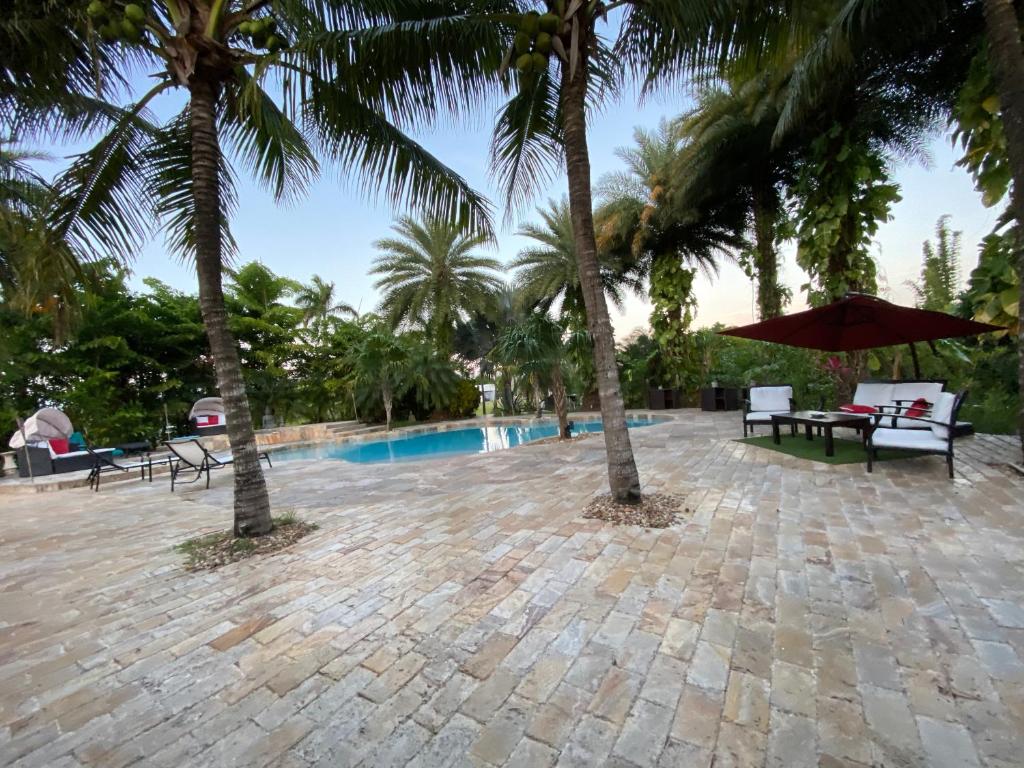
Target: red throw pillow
column 60, row 446
column 918, row 409
column 858, row 408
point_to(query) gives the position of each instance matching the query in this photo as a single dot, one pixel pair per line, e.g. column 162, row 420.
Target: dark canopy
column 859, row 321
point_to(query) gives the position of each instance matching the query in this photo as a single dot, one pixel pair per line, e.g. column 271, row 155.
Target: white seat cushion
column 873, row 394
column 761, row 416
column 912, row 439
column 942, row 412
column 770, row 399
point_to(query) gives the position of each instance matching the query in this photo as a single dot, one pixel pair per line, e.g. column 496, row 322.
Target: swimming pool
column 423, row 445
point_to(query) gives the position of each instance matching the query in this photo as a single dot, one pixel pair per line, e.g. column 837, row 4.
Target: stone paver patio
column 460, row 612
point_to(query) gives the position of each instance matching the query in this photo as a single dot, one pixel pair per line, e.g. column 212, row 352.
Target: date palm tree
column 548, row 273
column 318, row 302
column 432, row 276
column 349, row 80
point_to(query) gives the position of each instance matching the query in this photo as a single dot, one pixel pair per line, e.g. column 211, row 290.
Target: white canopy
column 206, row 406
column 45, row 424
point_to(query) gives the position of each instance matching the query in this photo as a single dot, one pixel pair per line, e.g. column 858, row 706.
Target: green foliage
column 978, row 127
column 464, row 401
column 844, row 194
column 432, row 277
column 672, row 309
column 993, row 293
column 940, row 270
column 131, row 354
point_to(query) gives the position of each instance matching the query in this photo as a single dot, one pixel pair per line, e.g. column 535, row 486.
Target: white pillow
column 942, row 412
column 912, row 390
column 770, row 398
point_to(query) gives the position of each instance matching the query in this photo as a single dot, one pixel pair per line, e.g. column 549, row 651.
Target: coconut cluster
column 532, row 42
column 263, row 33
column 126, row 25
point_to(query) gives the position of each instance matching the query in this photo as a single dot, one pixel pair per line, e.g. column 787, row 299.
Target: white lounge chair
column 192, row 455
column 936, row 437
column 762, row 402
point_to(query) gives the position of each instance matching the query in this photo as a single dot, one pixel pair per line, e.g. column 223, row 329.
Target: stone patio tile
column 460, row 612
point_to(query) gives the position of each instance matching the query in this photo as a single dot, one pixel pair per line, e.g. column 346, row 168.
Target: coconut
column 245, row 28
column 525, row 63
column 543, row 43
column 96, row 9
column 521, row 42
column 540, row 61
column 134, row 13
column 273, row 43
column 549, row 23
column 530, row 23
column 129, row 31
column 110, row 32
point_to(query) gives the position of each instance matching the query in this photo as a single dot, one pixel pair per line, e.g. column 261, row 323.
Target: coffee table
column 826, row 421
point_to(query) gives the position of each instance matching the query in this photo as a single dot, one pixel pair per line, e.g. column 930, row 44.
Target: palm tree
column 381, row 362
column 224, row 55
column 537, row 349
column 665, row 237
column 318, row 304
column 548, row 273
column 728, row 150
column 431, row 277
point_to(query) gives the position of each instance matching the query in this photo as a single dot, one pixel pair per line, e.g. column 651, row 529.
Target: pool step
column 349, row 428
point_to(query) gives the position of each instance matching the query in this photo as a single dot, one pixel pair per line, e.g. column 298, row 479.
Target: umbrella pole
column 917, row 363
column 28, row 455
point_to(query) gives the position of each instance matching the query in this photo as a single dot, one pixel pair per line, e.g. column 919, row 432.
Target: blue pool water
column 408, row 447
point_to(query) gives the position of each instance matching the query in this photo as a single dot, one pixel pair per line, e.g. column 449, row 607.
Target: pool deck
column 460, row 612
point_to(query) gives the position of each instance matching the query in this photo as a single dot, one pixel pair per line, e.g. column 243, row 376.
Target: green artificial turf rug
column 847, row 451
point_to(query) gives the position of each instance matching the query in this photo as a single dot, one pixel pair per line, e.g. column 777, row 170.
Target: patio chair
column 192, row 455
column 937, row 438
column 764, row 401
column 104, row 463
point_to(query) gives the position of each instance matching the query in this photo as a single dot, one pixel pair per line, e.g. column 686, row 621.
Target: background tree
column 547, row 273
column 938, row 286
column 431, row 276
column 536, row 348
column 650, row 222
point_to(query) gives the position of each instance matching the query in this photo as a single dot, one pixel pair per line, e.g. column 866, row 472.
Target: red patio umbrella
column 859, row 321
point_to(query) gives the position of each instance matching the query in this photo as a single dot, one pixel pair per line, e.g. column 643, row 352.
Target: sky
column 331, row 230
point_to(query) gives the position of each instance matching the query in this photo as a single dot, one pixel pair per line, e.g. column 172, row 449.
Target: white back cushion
column 942, row 411
column 873, row 393
column 770, row 398
column 912, row 390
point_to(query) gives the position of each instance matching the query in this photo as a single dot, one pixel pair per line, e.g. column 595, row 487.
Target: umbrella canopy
column 858, row 321
column 205, row 406
column 44, row 424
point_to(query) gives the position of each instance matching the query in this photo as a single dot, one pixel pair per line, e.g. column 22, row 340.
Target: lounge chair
column 103, row 463
column 762, row 402
column 935, row 436
column 192, row 455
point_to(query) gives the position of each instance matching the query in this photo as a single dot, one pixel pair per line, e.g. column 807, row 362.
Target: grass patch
column 217, row 549
column 847, row 451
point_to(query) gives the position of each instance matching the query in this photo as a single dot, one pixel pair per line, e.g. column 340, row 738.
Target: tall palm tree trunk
column 252, row 503
column 765, row 209
column 1007, row 57
column 623, row 477
column 561, row 401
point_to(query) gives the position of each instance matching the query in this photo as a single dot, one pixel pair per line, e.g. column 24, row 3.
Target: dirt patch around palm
column 655, row 510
